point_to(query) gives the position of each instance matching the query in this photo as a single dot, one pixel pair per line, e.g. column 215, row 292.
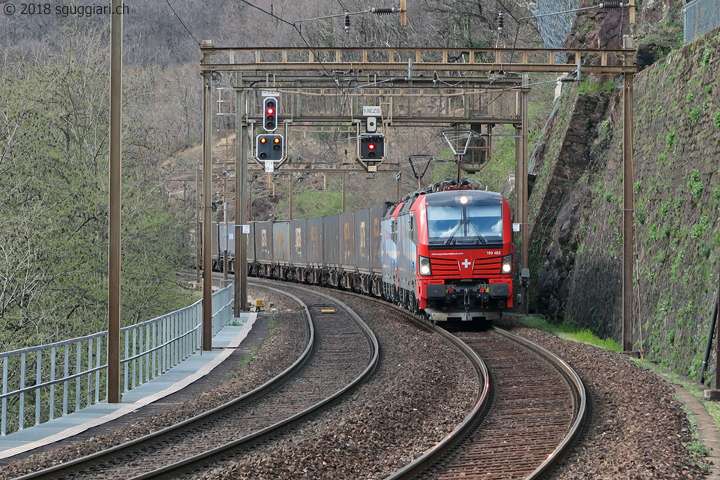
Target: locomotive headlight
column 463, row 200
column 507, row 264
column 424, row 266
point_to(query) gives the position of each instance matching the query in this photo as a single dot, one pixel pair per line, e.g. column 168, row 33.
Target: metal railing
column 48, row 381
column 699, row 17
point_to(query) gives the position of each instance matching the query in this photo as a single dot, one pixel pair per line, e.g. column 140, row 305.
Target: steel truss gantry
column 456, row 83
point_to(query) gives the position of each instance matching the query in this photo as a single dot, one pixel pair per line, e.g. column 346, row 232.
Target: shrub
column 671, row 140
column 695, row 114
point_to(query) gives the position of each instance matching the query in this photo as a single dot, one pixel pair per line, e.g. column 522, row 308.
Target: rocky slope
column 576, row 206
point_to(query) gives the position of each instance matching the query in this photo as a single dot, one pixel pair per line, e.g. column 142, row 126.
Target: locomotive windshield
column 464, row 224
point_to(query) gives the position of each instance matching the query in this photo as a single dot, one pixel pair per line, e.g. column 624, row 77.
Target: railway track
column 527, row 413
column 521, row 419
column 538, row 405
column 341, row 352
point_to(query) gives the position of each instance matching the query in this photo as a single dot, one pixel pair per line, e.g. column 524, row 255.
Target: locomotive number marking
column 493, row 252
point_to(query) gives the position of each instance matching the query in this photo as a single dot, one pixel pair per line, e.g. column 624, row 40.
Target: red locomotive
column 446, row 250
column 449, row 252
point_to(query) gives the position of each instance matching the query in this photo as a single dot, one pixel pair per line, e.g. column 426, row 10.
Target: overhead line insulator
column 612, row 5
column 383, row 11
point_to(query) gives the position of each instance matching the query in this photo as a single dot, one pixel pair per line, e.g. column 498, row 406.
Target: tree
column 54, row 204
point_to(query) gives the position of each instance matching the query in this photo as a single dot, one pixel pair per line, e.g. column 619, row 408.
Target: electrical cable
column 292, row 24
column 181, row 22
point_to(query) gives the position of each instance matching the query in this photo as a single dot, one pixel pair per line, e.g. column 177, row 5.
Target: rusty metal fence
column 700, row 16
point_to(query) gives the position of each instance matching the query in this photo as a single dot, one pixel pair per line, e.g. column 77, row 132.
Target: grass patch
column 570, row 333
column 243, row 363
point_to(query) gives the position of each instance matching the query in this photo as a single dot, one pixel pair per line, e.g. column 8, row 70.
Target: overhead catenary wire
column 181, row 22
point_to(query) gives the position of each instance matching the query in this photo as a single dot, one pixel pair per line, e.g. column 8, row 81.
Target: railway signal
column 372, row 147
column 269, row 147
column 270, row 114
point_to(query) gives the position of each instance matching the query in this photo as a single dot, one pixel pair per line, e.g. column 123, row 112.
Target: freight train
column 445, row 251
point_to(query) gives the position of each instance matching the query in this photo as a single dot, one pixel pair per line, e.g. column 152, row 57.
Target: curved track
column 537, row 410
column 341, row 352
column 527, row 415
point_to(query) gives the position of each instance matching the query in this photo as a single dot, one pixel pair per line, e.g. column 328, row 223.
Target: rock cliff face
column 564, row 163
column 576, row 205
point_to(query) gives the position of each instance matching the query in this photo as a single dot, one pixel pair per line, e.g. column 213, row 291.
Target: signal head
column 270, row 114
column 372, row 147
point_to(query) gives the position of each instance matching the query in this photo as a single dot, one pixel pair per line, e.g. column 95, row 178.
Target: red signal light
column 371, row 146
column 270, row 114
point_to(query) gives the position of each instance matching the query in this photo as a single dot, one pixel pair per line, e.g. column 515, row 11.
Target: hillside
column 577, row 207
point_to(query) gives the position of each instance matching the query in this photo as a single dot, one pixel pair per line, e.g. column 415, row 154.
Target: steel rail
column 87, row 461
column 579, row 396
column 173, row 470
column 580, row 400
column 475, row 416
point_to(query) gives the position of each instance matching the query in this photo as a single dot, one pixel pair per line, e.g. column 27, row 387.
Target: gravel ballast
column 636, row 429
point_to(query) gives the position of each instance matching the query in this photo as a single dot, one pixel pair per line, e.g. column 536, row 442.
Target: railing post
column 3, row 429
column 38, row 381
column 66, row 384
column 53, row 366
column 22, row 396
column 126, row 367
column 98, row 360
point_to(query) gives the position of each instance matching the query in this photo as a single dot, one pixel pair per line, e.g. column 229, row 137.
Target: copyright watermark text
column 64, row 10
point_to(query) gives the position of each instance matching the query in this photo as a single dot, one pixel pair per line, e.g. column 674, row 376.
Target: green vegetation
column 705, row 61
column 313, row 203
column 695, row 185
column 243, row 363
column 588, row 86
column 567, row 332
column 695, row 114
column 54, row 200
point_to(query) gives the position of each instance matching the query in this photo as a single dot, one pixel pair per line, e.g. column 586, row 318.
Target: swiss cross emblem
column 466, row 263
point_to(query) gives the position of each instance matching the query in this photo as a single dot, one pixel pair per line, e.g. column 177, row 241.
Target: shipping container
column 375, row 235
column 298, row 244
column 362, row 240
column 331, row 241
column 227, row 239
column 250, row 239
column 264, row 241
column 314, row 241
column 347, row 241
column 281, row 243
